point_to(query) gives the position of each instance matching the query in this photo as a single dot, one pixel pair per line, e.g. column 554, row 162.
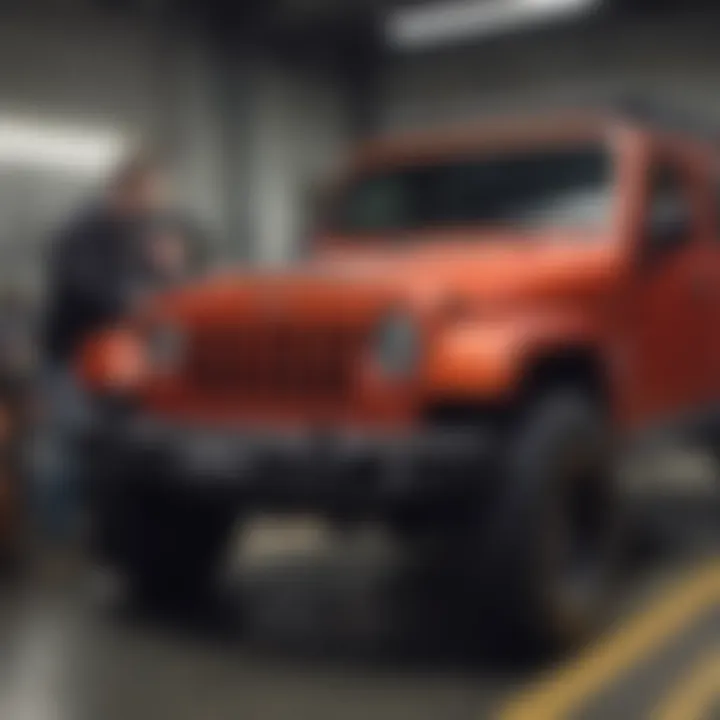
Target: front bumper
column 333, row 470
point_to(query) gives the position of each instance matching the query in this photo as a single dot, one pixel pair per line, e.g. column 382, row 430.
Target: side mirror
column 667, row 231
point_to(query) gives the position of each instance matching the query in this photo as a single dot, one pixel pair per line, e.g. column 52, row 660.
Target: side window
column 669, row 216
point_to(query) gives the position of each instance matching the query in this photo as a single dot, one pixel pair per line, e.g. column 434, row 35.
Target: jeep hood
column 352, row 281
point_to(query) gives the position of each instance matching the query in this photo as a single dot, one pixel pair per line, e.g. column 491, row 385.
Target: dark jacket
column 90, row 278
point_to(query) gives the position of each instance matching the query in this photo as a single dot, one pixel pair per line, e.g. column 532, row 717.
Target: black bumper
column 344, row 471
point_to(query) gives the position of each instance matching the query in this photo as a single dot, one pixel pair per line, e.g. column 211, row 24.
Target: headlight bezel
column 166, row 345
column 397, row 344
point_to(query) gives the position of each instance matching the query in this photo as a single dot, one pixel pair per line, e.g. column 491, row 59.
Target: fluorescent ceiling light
column 30, row 143
column 421, row 26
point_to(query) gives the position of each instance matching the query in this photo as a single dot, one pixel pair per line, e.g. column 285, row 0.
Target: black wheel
column 173, row 548
column 555, row 535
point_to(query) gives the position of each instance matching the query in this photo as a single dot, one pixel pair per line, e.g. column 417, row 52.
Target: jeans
column 55, row 460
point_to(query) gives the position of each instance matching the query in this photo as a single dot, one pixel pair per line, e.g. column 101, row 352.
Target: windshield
column 563, row 187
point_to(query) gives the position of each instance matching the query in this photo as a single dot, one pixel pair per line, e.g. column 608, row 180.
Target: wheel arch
column 577, row 366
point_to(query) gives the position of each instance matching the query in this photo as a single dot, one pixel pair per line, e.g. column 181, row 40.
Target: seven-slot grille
column 274, row 361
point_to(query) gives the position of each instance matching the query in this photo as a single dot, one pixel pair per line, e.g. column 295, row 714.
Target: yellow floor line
column 565, row 690
column 697, row 692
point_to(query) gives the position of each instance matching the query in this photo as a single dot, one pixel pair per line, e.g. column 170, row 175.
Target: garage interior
column 257, row 103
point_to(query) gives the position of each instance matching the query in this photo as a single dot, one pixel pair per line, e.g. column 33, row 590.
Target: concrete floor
column 332, row 630
column 327, row 635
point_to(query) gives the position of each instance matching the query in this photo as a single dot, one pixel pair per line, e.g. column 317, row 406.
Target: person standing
column 94, row 274
column 94, row 262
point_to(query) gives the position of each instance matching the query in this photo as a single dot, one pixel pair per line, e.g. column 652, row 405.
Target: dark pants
column 57, row 465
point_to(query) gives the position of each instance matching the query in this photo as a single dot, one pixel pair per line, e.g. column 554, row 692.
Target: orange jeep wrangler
column 486, row 319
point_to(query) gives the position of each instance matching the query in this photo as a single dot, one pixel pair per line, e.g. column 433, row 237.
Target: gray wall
column 678, row 61
column 118, row 74
column 75, row 73
column 297, row 135
column 250, row 137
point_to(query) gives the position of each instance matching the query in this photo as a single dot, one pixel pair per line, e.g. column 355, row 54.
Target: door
column 669, row 304
column 711, row 195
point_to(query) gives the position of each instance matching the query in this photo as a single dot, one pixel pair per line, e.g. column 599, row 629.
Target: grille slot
column 274, row 362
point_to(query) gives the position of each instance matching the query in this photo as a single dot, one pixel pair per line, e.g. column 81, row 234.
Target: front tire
column 170, row 547
column 555, row 538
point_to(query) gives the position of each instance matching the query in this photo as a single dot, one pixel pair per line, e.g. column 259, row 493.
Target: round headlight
column 397, row 345
column 166, row 347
